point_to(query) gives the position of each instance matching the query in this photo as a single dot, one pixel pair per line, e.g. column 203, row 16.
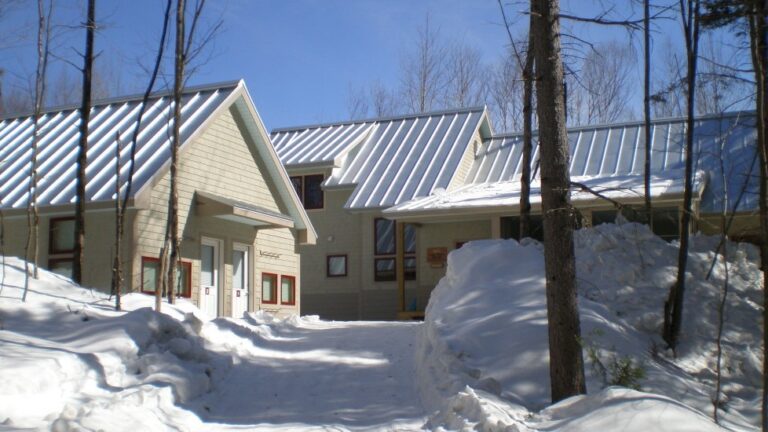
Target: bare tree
column 647, row 108
column 122, row 207
column 423, row 79
column 466, row 77
column 673, row 308
column 357, row 102
column 33, row 215
column 505, row 93
column 720, row 86
column 82, row 152
column 383, row 101
column 603, row 89
column 566, row 364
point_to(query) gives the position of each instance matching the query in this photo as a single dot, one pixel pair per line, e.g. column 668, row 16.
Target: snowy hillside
column 478, row 362
column 486, row 327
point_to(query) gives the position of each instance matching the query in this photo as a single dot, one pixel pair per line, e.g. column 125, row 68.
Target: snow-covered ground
column 478, row 362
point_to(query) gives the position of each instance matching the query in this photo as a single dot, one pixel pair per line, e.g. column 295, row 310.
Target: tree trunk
column 117, row 270
column 173, row 207
column 134, row 140
column 647, row 107
column 82, row 152
column 525, row 177
column 566, row 364
column 758, row 33
column 673, row 308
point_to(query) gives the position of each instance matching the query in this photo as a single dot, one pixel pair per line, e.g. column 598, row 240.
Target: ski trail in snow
column 342, row 374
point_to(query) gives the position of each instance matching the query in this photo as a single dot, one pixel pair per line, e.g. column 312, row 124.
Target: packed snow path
column 311, row 372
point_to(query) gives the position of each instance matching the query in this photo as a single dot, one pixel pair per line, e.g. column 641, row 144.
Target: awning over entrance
column 236, row 211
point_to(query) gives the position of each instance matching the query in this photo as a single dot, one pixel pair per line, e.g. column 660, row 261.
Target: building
column 440, row 179
column 240, row 218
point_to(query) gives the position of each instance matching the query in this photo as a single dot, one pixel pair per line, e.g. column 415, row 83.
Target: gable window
column 287, row 290
column 149, row 274
column 61, row 245
column 269, row 288
column 385, row 243
column 310, row 191
column 336, row 265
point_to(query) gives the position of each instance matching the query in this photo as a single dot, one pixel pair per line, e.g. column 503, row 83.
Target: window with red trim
column 287, row 290
column 149, row 273
column 269, row 288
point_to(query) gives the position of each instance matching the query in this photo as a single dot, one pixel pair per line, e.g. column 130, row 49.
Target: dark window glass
column 61, row 266
column 313, row 193
column 298, row 185
column 410, row 268
column 410, row 238
column 510, row 227
column 603, row 216
column 385, row 269
column 666, row 223
column 62, row 235
column 384, row 230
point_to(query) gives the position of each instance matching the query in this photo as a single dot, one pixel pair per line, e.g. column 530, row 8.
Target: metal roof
column 58, row 144
column 390, row 160
column 618, row 150
column 492, row 195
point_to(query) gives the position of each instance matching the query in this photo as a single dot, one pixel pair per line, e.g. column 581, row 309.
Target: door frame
column 217, row 245
column 249, row 286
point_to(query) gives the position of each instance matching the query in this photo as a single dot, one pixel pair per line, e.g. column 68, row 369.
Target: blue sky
column 298, row 57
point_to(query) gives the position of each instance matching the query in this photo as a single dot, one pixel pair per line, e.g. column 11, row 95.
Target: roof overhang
column 238, row 212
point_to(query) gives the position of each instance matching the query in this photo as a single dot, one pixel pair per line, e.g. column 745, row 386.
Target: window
column 666, row 222
column 149, row 274
column 510, row 227
column 385, row 243
column 61, row 245
column 310, row 191
column 269, row 288
column 287, row 290
column 336, row 266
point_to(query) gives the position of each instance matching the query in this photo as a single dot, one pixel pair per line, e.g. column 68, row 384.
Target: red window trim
column 274, row 288
column 51, row 222
column 185, row 265
column 293, row 290
column 328, row 265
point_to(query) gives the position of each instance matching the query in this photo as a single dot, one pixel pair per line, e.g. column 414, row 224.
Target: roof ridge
column 128, row 98
column 728, row 114
column 379, row 119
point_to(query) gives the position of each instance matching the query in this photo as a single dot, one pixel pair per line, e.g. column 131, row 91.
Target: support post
column 400, row 262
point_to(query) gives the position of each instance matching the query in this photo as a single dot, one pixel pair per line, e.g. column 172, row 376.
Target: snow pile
column 70, row 362
column 486, row 327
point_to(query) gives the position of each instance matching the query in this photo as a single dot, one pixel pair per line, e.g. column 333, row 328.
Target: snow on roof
column 394, row 159
column 507, row 193
column 58, row 144
column 618, row 150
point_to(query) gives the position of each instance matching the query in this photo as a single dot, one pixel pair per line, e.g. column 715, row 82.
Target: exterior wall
column 99, row 244
column 745, row 226
column 219, row 161
column 467, row 159
column 338, row 233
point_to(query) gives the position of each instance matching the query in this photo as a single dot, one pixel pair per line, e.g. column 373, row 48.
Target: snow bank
column 70, row 363
column 486, row 324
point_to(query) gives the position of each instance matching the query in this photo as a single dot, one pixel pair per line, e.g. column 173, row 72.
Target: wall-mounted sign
column 436, row 256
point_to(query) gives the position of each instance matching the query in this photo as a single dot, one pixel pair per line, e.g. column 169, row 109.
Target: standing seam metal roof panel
column 57, row 145
column 621, row 153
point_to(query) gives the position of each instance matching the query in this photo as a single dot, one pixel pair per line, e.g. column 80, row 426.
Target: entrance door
column 209, row 277
column 241, row 286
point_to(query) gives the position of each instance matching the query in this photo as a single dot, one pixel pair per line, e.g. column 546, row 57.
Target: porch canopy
column 228, row 209
column 483, row 199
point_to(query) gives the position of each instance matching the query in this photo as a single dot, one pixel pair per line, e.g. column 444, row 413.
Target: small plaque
column 436, row 256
